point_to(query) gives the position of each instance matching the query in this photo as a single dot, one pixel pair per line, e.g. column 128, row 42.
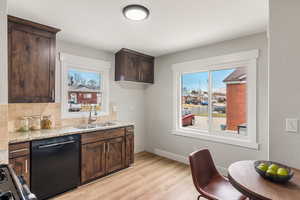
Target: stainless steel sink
column 89, row 126
column 104, row 124
column 98, row 125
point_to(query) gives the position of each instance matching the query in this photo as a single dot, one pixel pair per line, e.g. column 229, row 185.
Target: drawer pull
column 26, row 166
column 55, row 144
column 19, row 150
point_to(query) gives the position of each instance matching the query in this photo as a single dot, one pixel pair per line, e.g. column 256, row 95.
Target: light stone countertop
column 16, row 137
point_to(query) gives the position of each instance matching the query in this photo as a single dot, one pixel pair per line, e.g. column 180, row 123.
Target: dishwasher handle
column 55, row 144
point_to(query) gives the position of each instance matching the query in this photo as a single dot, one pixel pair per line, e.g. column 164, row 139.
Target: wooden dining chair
column 207, row 180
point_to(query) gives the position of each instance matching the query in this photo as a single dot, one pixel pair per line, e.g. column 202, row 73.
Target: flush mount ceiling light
column 136, row 12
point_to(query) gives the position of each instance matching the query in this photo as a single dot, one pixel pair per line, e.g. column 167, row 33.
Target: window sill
column 241, row 142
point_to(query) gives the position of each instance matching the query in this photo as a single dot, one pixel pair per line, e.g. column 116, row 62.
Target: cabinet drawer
column 129, row 130
column 19, row 149
column 102, row 135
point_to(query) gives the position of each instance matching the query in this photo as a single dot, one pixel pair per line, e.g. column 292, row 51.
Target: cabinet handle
column 55, row 144
column 108, row 147
column 26, row 166
column 19, row 150
column 104, row 148
column 52, row 94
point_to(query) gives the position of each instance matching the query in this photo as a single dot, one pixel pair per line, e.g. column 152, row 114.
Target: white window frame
column 242, row 59
column 85, row 64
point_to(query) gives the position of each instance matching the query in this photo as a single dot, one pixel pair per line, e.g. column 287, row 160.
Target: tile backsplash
column 3, row 127
column 18, row 110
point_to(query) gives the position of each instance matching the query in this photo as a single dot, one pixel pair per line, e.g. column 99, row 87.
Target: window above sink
column 84, row 86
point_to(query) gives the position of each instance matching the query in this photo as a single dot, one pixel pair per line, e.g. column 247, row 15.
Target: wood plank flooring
column 151, row 178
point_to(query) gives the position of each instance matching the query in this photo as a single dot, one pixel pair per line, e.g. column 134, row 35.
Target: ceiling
column 173, row 25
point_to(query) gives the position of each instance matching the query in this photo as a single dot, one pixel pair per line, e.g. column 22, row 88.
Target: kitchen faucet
column 92, row 119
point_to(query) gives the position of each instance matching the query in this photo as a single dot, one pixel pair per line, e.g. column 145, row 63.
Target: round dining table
column 245, row 179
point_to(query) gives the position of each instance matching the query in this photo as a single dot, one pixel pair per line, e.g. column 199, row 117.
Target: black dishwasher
column 54, row 165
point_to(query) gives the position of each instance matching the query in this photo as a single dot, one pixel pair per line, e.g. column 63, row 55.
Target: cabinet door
column 146, row 67
column 31, row 64
column 129, row 149
column 21, row 166
column 92, row 160
column 115, row 154
column 130, row 70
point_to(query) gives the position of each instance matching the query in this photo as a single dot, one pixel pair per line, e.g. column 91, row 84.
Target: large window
column 216, row 99
column 84, row 86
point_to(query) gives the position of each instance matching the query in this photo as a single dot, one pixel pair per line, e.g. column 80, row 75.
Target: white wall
column 284, row 32
column 159, row 98
column 3, row 52
column 129, row 100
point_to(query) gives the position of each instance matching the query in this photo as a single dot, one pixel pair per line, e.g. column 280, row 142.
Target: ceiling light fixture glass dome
column 136, row 12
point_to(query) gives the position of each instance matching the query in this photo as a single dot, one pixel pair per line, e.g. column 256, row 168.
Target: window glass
column 84, row 91
column 229, row 100
column 195, row 100
column 225, row 111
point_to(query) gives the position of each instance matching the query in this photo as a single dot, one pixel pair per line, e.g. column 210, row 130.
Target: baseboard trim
column 139, row 148
column 183, row 159
column 171, row 156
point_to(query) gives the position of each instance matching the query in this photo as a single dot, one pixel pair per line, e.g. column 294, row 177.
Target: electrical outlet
column 114, row 108
column 291, row 125
column 131, row 108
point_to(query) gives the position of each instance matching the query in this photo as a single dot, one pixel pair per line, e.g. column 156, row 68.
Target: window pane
column 229, row 105
column 84, row 101
column 195, row 100
column 84, row 90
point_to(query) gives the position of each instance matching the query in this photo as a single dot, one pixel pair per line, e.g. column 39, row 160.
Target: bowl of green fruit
column 273, row 171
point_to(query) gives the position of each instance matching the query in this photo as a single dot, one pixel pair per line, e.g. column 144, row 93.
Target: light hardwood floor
column 151, row 178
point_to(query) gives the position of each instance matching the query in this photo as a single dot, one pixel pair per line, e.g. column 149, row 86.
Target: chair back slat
column 202, row 167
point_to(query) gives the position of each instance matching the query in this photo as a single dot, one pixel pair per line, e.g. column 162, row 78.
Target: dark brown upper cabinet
column 134, row 66
column 31, row 61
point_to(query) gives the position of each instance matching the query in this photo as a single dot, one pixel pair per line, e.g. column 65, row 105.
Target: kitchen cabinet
column 103, row 152
column 115, row 154
column 21, row 167
column 129, row 146
column 146, row 70
column 19, row 158
column 92, row 160
column 134, row 66
column 31, row 61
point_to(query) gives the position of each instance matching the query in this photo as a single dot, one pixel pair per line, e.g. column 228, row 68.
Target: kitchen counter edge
column 19, row 137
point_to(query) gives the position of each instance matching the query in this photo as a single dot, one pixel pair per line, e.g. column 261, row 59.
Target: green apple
column 271, row 172
column 263, row 167
column 274, row 167
column 282, row 172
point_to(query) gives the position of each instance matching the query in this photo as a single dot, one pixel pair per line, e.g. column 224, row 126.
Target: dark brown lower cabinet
column 102, row 157
column 19, row 159
column 92, row 160
column 103, row 152
column 21, row 166
column 115, row 156
column 129, row 149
